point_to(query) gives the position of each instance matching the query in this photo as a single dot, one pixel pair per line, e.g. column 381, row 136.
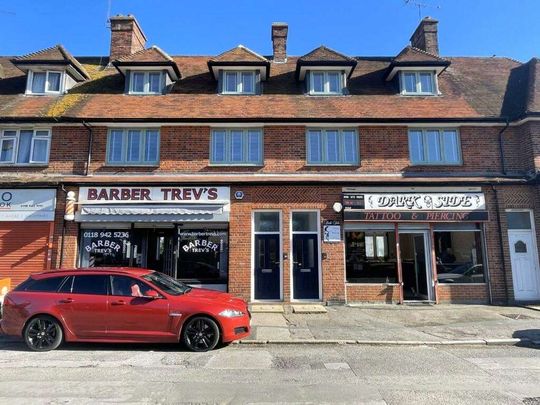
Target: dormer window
column 326, row 82
column 238, row 82
column 48, row 82
column 418, row 83
column 146, row 82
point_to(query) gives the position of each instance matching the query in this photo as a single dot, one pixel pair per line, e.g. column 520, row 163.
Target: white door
column 525, row 269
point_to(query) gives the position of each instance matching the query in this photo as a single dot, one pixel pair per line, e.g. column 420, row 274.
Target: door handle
column 66, row 301
column 119, row 302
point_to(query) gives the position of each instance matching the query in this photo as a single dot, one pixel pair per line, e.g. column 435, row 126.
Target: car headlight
column 231, row 313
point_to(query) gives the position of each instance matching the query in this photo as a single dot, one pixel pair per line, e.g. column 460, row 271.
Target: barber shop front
column 412, row 244
column 180, row 231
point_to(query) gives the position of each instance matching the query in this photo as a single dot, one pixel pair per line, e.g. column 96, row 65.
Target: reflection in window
column 460, row 257
column 371, row 256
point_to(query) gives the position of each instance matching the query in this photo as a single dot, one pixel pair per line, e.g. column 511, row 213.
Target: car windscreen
column 167, row 284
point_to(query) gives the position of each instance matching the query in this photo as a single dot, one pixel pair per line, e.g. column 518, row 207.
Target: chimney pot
column 425, row 37
column 127, row 36
column 279, row 41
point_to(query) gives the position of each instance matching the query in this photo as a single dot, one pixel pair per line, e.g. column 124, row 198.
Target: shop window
column 133, row 147
column 460, row 256
column 110, row 248
column 371, row 256
column 203, row 256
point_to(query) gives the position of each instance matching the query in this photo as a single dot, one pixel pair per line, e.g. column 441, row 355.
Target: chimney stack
column 425, row 36
column 279, row 41
column 126, row 36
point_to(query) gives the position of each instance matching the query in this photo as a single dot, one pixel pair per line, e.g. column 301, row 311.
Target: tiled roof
column 325, row 54
column 239, row 54
column 411, row 54
column 152, row 54
column 472, row 88
column 54, row 54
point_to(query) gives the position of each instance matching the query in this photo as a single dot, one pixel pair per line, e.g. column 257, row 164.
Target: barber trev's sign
column 159, row 195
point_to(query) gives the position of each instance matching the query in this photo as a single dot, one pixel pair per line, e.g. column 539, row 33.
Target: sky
column 209, row 27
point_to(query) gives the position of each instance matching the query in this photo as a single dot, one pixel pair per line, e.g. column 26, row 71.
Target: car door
column 82, row 302
column 132, row 315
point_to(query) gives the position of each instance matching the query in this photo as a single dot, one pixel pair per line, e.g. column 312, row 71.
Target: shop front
column 26, row 232
column 180, row 231
column 411, row 244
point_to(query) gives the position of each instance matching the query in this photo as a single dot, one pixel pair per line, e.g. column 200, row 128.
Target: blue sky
column 355, row 27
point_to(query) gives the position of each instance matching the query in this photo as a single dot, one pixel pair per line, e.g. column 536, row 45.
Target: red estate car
column 120, row 305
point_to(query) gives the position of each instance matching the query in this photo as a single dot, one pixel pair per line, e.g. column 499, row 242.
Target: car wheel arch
column 205, row 315
column 56, row 318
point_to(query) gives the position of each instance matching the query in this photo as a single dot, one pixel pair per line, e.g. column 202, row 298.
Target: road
column 353, row 374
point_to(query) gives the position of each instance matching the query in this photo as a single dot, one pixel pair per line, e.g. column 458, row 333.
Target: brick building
column 323, row 177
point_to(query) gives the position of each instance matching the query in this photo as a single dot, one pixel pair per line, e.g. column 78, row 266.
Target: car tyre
column 201, row 334
column 43, row 333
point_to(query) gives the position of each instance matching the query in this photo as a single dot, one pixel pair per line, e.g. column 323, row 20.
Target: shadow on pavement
column 533, row 335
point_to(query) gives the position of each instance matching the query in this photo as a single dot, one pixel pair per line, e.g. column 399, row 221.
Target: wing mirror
column 153, row 294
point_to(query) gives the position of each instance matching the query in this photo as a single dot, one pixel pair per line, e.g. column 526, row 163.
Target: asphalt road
column 353, row 374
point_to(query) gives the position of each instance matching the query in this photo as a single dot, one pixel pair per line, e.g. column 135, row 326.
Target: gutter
column 90, row 142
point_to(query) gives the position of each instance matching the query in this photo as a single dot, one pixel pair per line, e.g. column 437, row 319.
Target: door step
column 267, row 309
column 419, row 303
column 309, row 309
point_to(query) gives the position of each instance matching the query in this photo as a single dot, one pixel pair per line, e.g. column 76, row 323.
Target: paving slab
column 308, row 309
column 267, row 308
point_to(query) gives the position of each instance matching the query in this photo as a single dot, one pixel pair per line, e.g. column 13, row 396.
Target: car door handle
column 119, row 302
column 66, row 301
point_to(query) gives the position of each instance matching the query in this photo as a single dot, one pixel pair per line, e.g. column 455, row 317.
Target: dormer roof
column 153, row 57
column 411, row 57
column 239, row 57
column 324, row 57
column 54, row 56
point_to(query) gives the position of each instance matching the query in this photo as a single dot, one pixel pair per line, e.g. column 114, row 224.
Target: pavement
column 387, row 325
column 396, row 325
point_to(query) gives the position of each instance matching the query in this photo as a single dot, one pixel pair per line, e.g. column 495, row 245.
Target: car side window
column 128, row 287
column 91, row 284
column 49, row 284
column 67, row 285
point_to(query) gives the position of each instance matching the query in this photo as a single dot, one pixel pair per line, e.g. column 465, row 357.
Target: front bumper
column 235, row 328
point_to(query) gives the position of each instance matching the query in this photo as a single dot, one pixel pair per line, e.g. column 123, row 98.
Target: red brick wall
column 375, row 293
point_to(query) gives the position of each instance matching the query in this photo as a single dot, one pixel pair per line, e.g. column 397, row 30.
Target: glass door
column 416, row 266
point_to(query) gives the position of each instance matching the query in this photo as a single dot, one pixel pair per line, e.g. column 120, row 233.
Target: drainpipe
column 90, row 141
column 501, row 146
column 501, row 246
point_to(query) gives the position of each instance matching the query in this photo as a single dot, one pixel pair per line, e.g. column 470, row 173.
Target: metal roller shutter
column 24, row 248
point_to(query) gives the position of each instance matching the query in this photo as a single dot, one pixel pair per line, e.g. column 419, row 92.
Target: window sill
column 420, row 94
column 238, row 94
column 130, row 165
column 236, row 165
column 436, row 164
column 326, row 94
column 332, row 164
column 143, row 94
column 349, row 283
column 24, row 165
column 451, row 284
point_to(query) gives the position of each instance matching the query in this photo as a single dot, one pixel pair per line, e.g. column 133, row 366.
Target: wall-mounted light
column 337, row 207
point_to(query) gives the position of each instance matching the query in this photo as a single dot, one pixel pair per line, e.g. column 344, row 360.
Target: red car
column 120, row 305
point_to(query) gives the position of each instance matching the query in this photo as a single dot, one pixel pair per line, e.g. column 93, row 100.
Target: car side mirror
column 153, row 294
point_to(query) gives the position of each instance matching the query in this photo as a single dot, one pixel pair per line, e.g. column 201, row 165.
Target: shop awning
column 151, row 213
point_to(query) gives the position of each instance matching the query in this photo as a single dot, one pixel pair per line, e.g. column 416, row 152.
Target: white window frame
column 30, row 81
column 16, row 138
column 425, row 161
column 418, row 92
column 146, row 81
column 324, row 161
column 142, row 146
column 228, row 147
column 239, row 82
column 326, row 91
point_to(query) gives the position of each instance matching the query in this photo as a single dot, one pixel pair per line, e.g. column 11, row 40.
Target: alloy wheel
column 201, row 334
column 42, row 334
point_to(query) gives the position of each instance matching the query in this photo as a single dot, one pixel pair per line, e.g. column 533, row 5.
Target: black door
column 267, row 267
column 306, row 267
